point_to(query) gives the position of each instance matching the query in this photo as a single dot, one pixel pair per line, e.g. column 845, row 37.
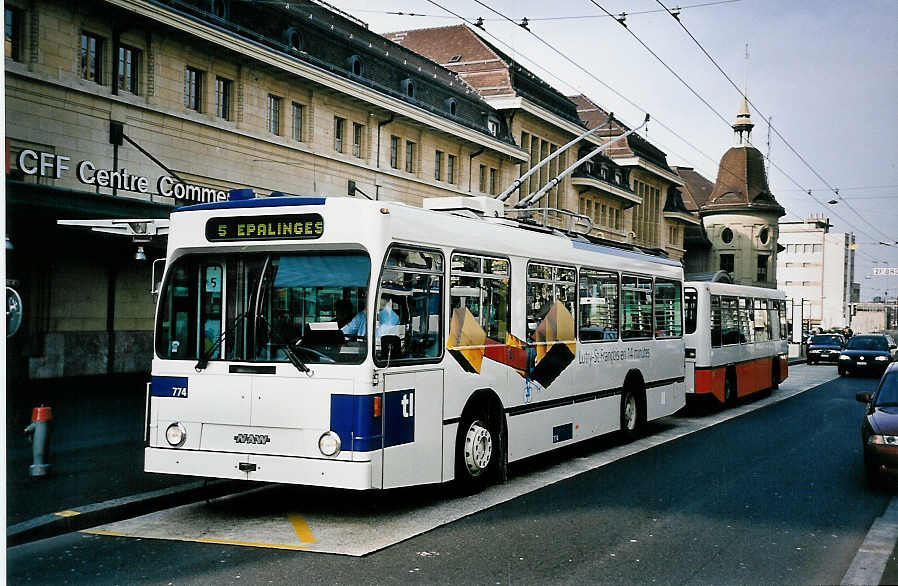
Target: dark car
column 879, row 430
column 825, row 348
column 867, row 353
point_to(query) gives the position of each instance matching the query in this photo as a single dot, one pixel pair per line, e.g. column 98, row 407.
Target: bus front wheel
column 478, row 452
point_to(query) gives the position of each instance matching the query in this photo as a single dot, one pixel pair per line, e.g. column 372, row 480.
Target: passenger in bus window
column 357, row 326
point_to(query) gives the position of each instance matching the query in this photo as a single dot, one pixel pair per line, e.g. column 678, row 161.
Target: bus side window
column 668, row 309
column 599, row 303
column 548, row 286
column 481, row 286
column 690, row 310
column 729, row 314
column 762, row 324
column 636, row 302
column 409, row 307
column 716, row 337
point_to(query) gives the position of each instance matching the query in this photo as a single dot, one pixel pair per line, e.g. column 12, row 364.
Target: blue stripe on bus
column 259, row 202
column 352, row 419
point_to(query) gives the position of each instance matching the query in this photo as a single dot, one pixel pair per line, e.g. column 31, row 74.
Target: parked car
column 825, row 348
column 879, row 430
column 867, row 353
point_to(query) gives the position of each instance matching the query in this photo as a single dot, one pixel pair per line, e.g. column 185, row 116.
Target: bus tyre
column 775, row 377
column 842, row 371
column 477, row 453
column 631, row 417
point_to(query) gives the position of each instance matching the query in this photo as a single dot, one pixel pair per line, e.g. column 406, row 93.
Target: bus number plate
column 170, row 386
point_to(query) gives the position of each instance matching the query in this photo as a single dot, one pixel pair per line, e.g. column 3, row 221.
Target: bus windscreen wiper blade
column 291, row 355
column 205, row 356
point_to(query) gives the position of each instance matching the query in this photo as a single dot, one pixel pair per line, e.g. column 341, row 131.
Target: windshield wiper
column 291, row 356
column 205, row 356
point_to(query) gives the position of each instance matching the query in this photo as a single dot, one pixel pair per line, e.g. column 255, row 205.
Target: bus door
column 408, row 345
column 690, row 314
column 413, row 428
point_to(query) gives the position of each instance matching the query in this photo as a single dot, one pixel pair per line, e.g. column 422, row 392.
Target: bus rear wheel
column 631, row 417
column 478, row 453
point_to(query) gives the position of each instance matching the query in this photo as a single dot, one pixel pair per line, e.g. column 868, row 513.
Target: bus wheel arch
column 481, row 456
column 633, row 405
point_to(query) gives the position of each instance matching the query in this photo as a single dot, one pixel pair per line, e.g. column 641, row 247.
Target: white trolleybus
column 736, row 340
column 362, row 344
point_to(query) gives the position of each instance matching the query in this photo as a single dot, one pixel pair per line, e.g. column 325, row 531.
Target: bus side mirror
column 156, row 284
column 863, row 397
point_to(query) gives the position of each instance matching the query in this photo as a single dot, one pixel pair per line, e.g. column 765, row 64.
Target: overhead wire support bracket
column 520, row 180
column 555, row 180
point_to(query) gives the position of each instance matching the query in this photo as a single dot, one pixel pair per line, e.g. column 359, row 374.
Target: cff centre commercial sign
column 53, row 166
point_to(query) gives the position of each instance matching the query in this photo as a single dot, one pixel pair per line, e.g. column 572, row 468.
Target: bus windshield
column 253, row 307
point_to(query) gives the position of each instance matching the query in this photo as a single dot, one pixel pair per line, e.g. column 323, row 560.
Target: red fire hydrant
column 39, row 436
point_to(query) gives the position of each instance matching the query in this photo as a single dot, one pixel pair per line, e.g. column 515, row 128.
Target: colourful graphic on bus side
column 552, row 350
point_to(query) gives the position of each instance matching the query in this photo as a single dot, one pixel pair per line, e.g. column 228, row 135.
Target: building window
column 339, row 129
column 13, row 26
column 91, row 57
column 492, row 125
column 355, row 65
column 274, row 114
column 450, row 169
column 452, row 106
column 482, row 178
column 193, row 89
column 297, row 121
column 762, row 267
column 223, row 98
column 394, row 152
column 492, row 181
column 727, row 262
column 438, row 166
column 357, row 134
column 764, row 235
column 409, row 156
column 128, row 63
column 726, row 235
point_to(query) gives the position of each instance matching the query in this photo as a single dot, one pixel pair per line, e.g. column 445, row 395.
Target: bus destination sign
column 279, row 227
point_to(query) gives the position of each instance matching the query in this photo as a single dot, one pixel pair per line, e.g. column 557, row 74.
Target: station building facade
column 129, row 108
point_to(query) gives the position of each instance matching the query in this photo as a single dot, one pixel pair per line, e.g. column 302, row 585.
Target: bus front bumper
column 262, row 468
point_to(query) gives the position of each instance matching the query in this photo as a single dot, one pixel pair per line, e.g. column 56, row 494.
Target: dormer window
column 454, row 59
column 492, row 124
column 354, row 64
column 220, row 8
column 293, row 39
column 408, row 87
column 451, row 106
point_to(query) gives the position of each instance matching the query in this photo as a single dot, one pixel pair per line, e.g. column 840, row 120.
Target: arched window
column 220, row 8
column 764, row 235
column 451, row 106
column 293, row 39
column 408, row 87
column 354, row 64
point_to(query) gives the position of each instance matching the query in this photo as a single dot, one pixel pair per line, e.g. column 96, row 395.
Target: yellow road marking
column 301, row 528
column 198, row 540
column 67, row 513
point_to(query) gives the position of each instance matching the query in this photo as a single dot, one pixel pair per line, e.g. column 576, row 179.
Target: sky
column 825, row 71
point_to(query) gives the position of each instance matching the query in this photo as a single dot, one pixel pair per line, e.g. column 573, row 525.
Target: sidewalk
column 96, row 446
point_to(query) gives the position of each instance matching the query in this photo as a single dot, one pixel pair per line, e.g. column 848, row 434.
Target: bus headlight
column 176, row 435
column 882, row 358
column 329, row 443
column 844, row 357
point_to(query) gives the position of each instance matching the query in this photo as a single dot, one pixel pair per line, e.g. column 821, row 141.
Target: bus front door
column 413, row 428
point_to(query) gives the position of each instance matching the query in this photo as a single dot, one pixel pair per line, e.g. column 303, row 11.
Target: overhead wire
column 543, row 18
column 758, row 110
column 622, row 96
